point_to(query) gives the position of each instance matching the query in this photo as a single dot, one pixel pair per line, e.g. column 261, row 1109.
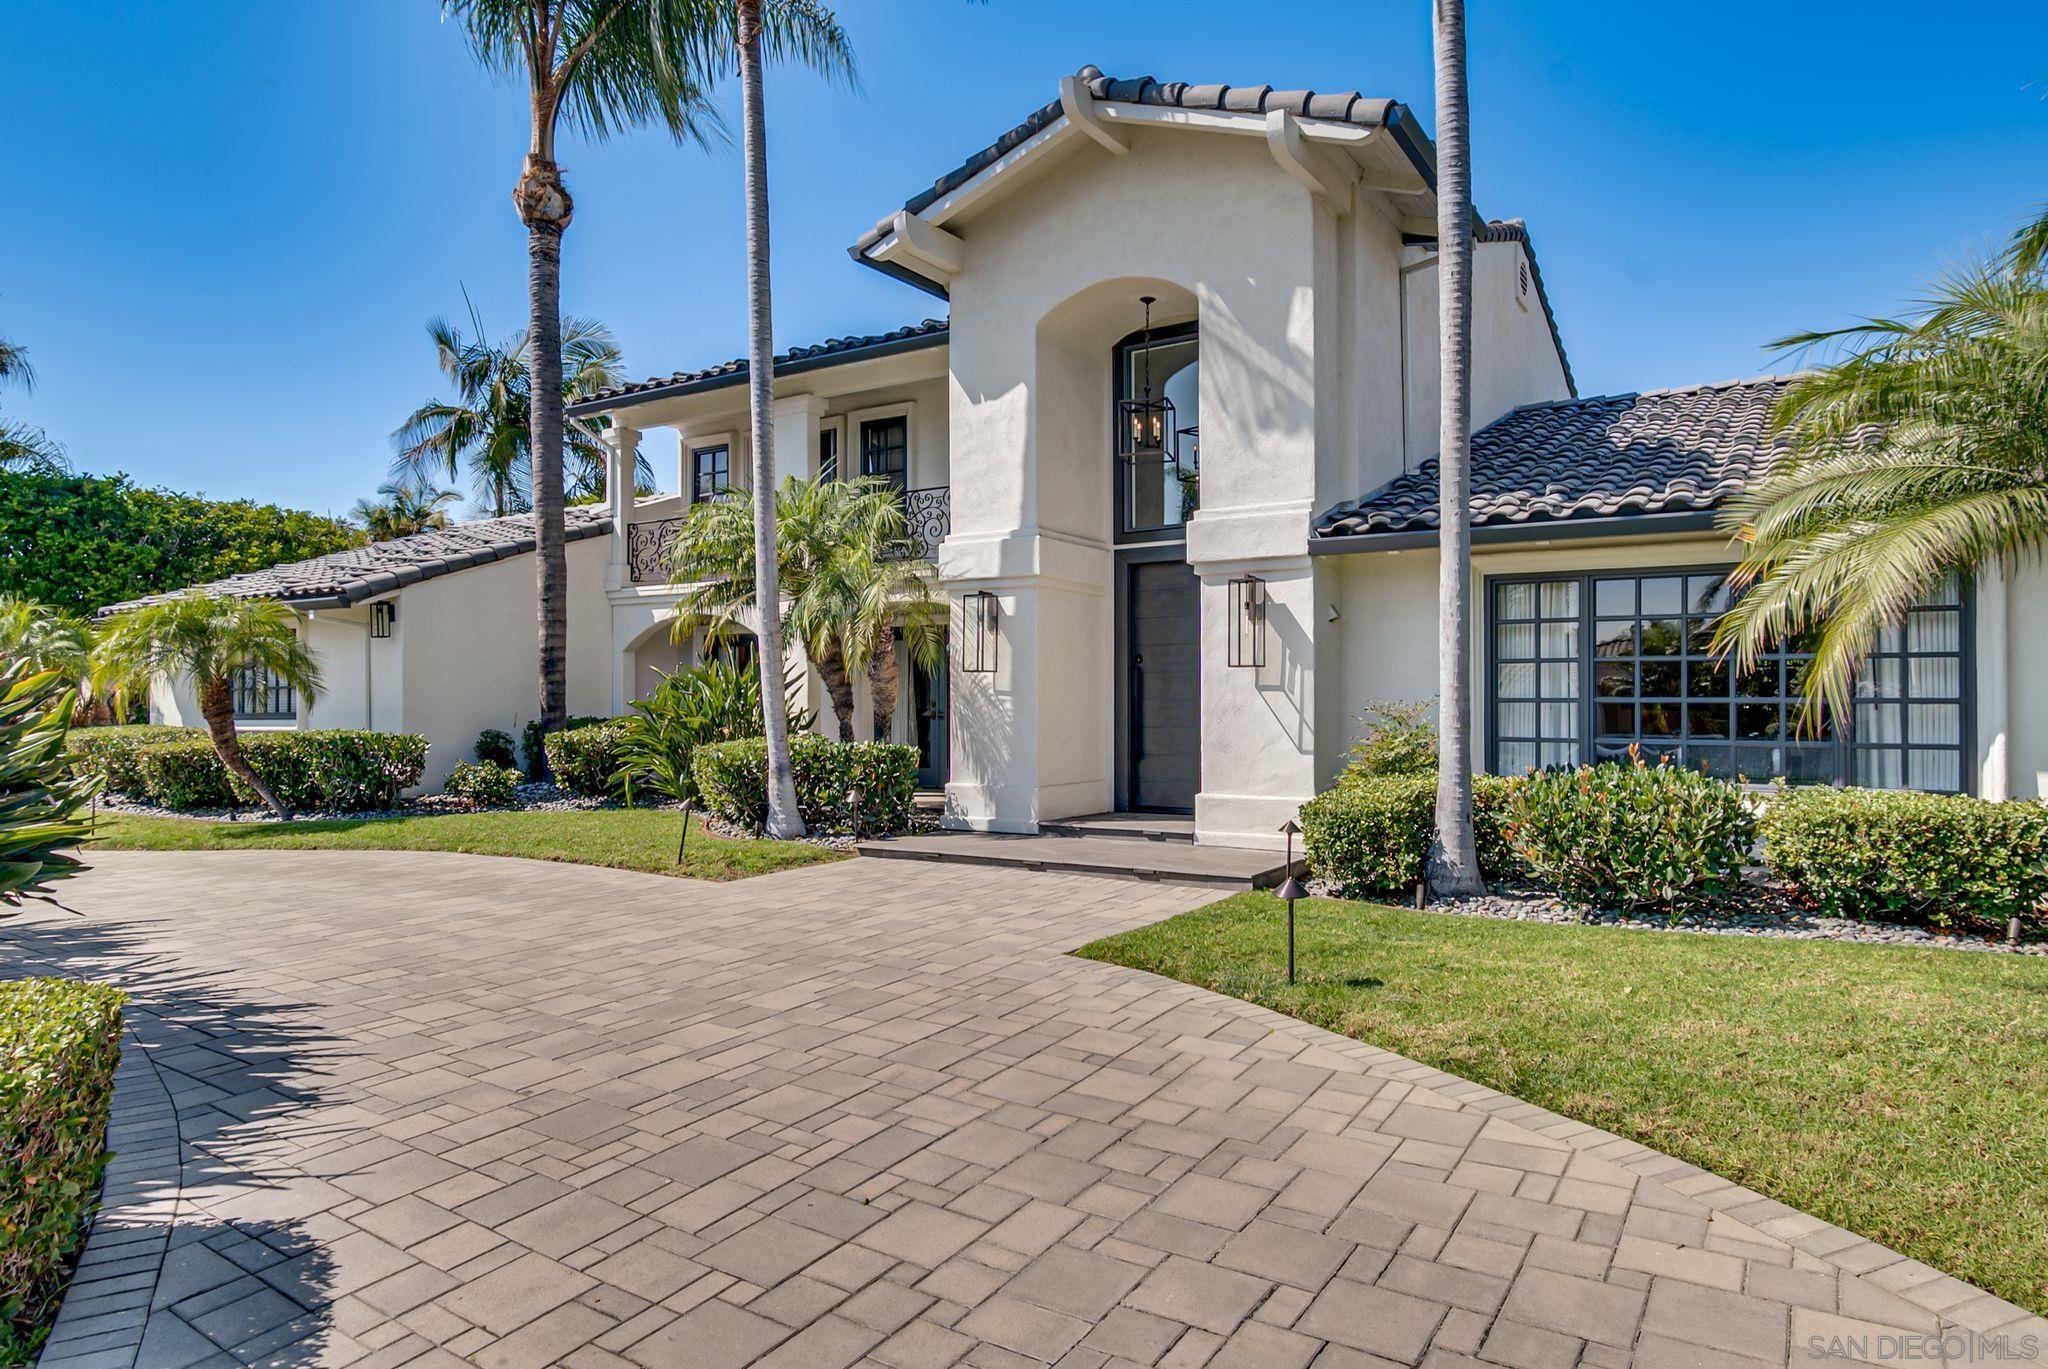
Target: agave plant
column 42, row 800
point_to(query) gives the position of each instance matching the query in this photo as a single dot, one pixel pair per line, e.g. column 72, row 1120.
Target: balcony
column 928, row 512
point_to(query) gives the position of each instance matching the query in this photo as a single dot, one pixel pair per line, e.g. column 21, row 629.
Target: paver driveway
column 435, row 1108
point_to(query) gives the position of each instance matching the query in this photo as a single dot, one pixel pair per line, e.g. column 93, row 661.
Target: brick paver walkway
column 429, row 1109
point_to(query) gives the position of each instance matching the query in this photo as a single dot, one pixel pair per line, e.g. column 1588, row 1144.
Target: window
column 1584, row 667
column 828, row 453
column 261, row 696
column 885, row 450
column 710, row 472
column 1158, row 485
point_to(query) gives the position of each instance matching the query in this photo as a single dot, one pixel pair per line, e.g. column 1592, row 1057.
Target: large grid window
column 262, row 695
column 710, row 472
column 1587, row 666
column 885, row 450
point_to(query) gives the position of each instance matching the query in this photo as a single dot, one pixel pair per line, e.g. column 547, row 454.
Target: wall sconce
column 383, row 614
column 1248, row 622
column 979, row 612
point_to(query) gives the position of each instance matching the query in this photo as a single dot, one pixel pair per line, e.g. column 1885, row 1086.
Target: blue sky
column 231, row 220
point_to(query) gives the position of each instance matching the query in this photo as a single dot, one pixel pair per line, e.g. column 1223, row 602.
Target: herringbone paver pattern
column 397, row 1109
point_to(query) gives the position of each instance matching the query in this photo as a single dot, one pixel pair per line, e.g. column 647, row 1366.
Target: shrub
column 732, row 779
column 533, row 742
column 494, row 747
column 60, row 1040
column 1372, row 836
column 42, row 798
column 585, row 759
column 1399, row 739
column 483, row 783
column 1949, row 861
column 113, row 753
column 1630, row 836
column 332, row 770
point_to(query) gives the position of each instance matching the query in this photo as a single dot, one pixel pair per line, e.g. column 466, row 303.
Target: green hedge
column 1371, row 836
column 60, row 1040
column 867, row 785
column 1898, row 856
column 113, row 752
column 494, row 747
column 1631, row 836
column 533, row 740
column 331, row 770
column 585, row 759
column 483, row 783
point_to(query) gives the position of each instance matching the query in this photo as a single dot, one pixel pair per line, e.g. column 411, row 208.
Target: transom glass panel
column 1160, row 490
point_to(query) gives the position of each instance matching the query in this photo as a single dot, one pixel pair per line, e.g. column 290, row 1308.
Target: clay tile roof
column 349, row 577
column 930, row 332
column 1661, row 451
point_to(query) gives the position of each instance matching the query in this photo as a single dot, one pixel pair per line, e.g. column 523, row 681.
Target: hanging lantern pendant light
column 1148, row 427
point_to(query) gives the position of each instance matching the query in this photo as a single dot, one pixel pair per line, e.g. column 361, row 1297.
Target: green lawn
column 622, row 838
column 1902, row 1094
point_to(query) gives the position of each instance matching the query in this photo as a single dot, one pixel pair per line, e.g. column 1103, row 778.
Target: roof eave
column 730, row 379
column 1532, row 530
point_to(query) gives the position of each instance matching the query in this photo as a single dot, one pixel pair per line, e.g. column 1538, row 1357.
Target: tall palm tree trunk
column 831, row 663
column 783, row 818
column 217, row 709
column 546, row 208
column 885, row 682
column 1454, row 855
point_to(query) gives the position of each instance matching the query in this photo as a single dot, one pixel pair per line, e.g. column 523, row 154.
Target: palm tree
column 845, row 575
column 45, row 638
column 487, row 427
column 207, row 639
column 1920, row 453
column 402, row 510
column 22, row 447
column 1454, row 854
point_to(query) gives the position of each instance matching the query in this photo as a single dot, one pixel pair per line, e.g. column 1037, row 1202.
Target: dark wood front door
column 1163, row 637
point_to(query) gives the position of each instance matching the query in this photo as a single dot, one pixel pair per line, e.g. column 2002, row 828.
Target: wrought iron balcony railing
column 929, row 513
column 647, row 547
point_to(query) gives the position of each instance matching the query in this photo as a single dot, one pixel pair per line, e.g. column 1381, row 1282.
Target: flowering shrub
column 1632, row 836
column 1372, row 836
column 482, row 784
column 1949, row 861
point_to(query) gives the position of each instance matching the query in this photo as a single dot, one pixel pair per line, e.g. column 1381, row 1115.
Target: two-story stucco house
column 1172, row 453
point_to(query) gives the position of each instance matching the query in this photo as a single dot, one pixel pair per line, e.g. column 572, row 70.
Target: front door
column 928, row 723
column 1163, row 637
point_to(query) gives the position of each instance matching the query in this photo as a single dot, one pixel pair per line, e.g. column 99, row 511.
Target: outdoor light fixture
column 1147, row 429
column 979, row 612
column 1290, row 889
column 1248, row 622
column 382, row 615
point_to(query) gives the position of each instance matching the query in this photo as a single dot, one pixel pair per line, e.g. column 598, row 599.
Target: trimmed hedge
column 331, row 770
column 533, row 740
column 732, row 779
column 483, row 783
column 113, row 752
column 1628, row 835
column 60, row 1040
column 1371, row 836
column 1910, row 857
column 585, row 759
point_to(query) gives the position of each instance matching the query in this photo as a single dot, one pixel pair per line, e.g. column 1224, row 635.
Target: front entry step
column 1128, row 826
column 1170, row 862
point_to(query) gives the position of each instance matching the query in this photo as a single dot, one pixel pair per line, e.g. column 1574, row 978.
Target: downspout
column 1426, row 262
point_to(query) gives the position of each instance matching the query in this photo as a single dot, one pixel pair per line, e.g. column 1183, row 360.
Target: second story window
column 885, row 450
column 828, row 453
column 1158, row 392
column 710, row 472
column 263, row 696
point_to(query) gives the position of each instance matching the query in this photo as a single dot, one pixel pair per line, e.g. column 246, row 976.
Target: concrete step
column 1171, row 862
column 1125, row 826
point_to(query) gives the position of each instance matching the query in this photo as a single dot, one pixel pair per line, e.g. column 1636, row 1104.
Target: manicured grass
column 622, row 838
column 1902, row 1094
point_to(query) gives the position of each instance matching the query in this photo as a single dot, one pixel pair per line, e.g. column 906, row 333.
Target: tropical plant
column 717, row 701
column 849, row 583
column 45, row 638
column 486, row 429
column 207, row 639
column 43, row 799
column 1454, row 855
column 1919, row 453
column 403, row 509
column 22, row 447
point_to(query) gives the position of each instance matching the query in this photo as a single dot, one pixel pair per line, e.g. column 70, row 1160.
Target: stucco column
column 1994, row 778
column 796, row 420
column 622, row 447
